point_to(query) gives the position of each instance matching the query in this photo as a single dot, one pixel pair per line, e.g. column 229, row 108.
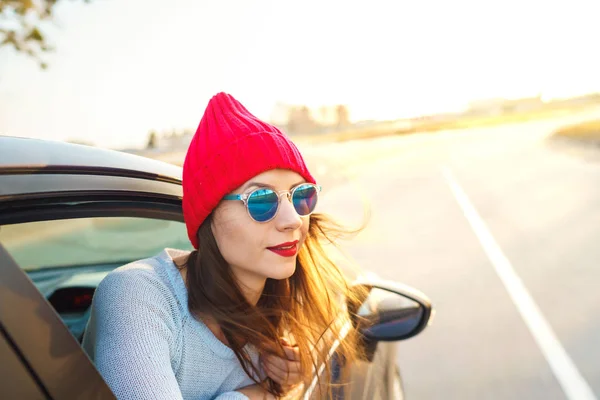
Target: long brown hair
column 311, row 305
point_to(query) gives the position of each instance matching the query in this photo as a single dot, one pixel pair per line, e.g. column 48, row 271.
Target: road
column 502, row 231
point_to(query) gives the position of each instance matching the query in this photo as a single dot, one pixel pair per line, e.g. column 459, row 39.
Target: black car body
column 69, row 214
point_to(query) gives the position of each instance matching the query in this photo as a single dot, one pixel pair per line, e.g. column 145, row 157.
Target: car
column 70, row 214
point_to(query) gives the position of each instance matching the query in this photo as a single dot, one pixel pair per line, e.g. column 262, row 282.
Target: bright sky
column 124, row 67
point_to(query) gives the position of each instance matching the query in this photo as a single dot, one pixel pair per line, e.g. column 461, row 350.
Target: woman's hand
column 255, row 392
column 285, row 371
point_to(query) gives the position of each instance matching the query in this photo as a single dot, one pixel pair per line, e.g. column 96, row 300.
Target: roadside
column 580, row 140
column 441, row 123
column 588, row 132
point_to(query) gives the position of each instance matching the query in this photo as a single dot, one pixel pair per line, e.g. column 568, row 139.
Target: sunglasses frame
column 290, row 194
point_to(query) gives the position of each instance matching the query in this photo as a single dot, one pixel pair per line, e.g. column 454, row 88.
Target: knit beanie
column 230, row 147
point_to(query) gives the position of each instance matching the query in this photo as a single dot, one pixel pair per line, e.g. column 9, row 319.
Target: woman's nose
column 287, row 217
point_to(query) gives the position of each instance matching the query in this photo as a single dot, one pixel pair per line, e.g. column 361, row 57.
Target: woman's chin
column 283, row 271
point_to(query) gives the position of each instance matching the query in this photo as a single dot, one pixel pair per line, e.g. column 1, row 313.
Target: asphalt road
column 502, row 231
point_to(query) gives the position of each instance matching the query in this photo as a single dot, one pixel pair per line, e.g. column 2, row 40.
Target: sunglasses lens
column 262, row 204
column 305, row 199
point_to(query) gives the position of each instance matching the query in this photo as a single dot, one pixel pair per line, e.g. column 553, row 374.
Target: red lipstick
column 287, row 249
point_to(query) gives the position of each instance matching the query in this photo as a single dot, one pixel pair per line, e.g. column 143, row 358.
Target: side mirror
column 391, row 311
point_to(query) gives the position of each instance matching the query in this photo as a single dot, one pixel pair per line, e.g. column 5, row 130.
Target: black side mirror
column 391, row 311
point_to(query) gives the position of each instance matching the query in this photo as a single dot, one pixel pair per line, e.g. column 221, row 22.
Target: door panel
column 16, row 381
column 42, row 340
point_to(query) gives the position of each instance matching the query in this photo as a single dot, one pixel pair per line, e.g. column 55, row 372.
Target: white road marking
column 573, row 384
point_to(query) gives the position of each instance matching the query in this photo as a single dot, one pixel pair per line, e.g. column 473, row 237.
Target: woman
column 255, row 308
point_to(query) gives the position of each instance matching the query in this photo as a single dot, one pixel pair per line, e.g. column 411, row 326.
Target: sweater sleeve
column 231, row 396
column 131, row 336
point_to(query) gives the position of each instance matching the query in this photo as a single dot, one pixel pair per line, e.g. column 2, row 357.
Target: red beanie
column 229, row 147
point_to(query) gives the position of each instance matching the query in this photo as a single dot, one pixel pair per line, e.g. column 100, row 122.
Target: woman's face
column 250, row 247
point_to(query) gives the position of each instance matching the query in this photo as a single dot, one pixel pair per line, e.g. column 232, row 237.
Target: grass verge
column 589, row 130
column 466, row 122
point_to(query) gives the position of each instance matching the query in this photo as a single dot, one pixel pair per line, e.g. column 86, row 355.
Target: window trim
column 26, row 186
column 86, row 205
column 87, row 170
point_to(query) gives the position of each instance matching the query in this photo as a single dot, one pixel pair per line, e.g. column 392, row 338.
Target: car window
column 90, row 241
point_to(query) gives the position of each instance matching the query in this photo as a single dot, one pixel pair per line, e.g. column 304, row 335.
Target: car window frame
column 72, row 374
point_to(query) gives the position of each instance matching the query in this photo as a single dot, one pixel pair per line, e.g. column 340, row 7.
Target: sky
column 124, row 67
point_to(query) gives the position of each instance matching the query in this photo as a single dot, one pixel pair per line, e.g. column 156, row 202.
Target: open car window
column 90, row 241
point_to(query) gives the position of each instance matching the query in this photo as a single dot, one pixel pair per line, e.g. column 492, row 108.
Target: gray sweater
column 147, row 345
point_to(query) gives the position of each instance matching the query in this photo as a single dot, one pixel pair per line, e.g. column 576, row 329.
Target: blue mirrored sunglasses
column 263, row 203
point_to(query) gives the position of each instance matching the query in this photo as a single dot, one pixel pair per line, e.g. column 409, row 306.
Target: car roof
column 27, row 155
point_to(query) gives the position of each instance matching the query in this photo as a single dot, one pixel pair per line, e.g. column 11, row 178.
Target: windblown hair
column 312, row 306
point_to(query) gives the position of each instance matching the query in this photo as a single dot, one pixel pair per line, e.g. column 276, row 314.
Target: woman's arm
column 131, row 336
column 252, row 392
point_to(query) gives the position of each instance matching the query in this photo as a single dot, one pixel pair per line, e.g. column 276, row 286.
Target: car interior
column 67, row 259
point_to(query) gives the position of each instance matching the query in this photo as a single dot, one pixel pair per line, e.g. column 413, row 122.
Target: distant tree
column 292, row 119
column 343, row 118
column 20, row 26
column 152, row 140
column 324, row 115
